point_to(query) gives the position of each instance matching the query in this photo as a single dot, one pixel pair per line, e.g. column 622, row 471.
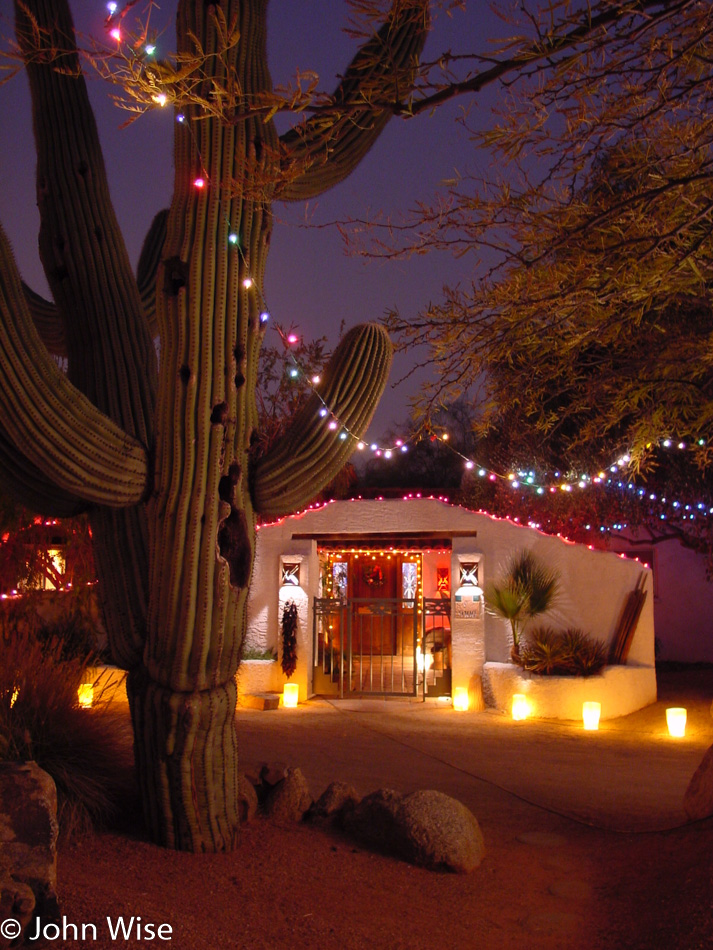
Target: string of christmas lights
column 519, row 479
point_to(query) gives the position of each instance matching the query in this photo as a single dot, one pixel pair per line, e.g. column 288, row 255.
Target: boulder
column 247, row 799
column 17, row 901
column 698, row 797
column 289, row 799
column 28, row 832
column 331, row 806
column 427, row 828
column 272, row 773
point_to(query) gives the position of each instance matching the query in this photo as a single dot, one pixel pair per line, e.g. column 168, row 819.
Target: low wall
column 620, row 690
column 254, row 676
column 259, row 676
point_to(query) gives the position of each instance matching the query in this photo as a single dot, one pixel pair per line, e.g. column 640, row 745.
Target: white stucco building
column 389, row 593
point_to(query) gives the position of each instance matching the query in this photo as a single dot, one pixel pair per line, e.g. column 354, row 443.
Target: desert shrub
column 568, row 652
column 88, row 752
column 254, row 653
column 75, row 634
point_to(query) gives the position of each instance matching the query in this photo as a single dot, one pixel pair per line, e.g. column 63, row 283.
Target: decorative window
column 409, row 580
column 443, row 581
column 469, row 574
column 340, row 578
column 290, row 573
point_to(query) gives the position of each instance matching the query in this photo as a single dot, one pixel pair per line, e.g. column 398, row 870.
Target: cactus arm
column 48, row 321
column 147, row 269
column 326, row 149
column 310, row 454
column 31, row 488
column 49, row 421
column 111, row 354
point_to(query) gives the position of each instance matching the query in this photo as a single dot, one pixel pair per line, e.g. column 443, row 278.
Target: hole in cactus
column 257, row 142
column 185, row 374
column 82, row 169
column 239, row 354
column 234, row 547
column 219, row 414
column 228, row 482
column 239, row 380
column 175, row 275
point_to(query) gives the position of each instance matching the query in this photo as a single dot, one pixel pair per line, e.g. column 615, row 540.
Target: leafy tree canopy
column 590, row 320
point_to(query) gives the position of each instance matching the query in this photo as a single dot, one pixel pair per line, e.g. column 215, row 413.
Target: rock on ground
column 247, row 799
column 331, row 806
column 288, row 800
column 17, row 901
column 427, row 828
column 28, row 835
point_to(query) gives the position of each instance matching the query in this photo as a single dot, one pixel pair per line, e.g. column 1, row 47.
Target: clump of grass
column 568, row 652
column 88, row 752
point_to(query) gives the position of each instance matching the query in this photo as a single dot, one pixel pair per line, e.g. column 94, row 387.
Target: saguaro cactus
column 162, row 459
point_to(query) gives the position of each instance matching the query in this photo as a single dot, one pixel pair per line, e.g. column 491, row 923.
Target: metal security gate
column 381, row 647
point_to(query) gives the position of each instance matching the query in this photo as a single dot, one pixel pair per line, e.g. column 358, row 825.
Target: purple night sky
column 311, row 282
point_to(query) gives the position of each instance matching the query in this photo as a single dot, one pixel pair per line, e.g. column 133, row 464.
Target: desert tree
column 589, row 312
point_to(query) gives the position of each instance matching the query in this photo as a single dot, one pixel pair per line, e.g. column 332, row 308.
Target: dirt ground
column 587, row 844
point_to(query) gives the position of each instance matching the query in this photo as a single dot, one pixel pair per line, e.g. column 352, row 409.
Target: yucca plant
column 525, row 589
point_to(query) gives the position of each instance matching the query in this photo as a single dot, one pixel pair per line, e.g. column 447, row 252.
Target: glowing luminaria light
column 316, row 380
column 149, row 49
column 85, row 695
column 520, row 706
column 460, row 699
column 233, row 239
column 111, row 7
column 116, row 34
column 161, row 98
column 676, row 721
column 247, row 283
column 290, row 695
column 590, row 715
column 199, row 183
column 293, row 338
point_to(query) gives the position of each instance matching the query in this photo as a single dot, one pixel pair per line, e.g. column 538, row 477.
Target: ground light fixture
column 520, row 706
column 460, row 699
column 85, row 695
column 290, row 695
column 676, row 721
column 590, row 715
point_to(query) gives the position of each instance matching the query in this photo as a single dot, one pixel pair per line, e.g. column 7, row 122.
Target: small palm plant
column 526, row 589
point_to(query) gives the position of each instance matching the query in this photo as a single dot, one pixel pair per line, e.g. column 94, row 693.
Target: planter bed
column 620, row 690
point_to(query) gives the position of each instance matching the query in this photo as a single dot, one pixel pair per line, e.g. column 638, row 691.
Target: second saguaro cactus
column 164, row 460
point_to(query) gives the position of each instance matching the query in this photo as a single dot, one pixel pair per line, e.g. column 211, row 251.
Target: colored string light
column 520, row 479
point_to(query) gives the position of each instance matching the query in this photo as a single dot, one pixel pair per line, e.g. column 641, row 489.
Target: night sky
column 311, row 282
